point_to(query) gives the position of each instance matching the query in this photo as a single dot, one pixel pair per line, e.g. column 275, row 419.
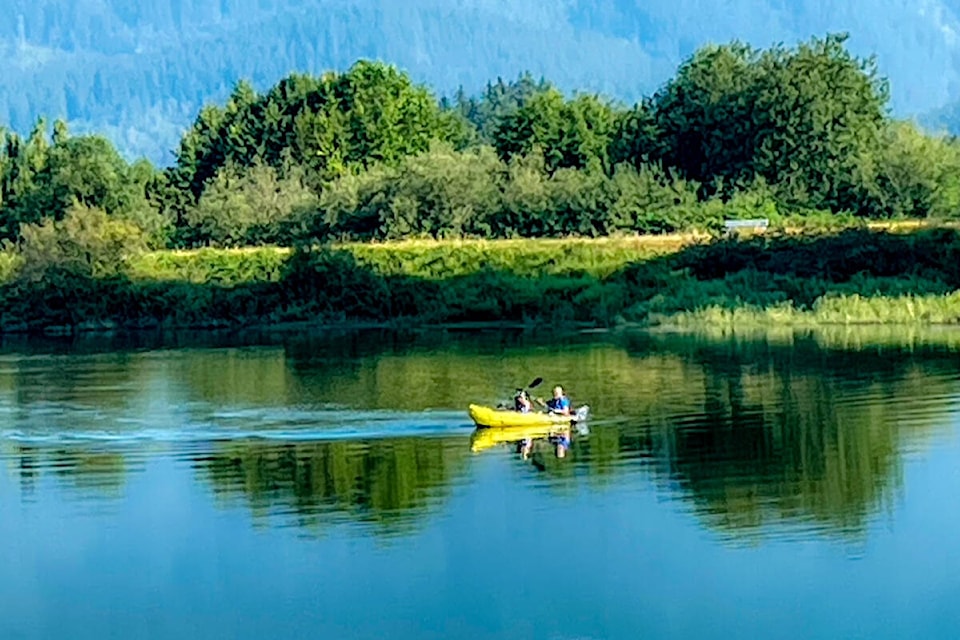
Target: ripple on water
column 64, row 423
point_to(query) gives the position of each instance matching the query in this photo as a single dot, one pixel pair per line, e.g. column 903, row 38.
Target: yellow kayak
column 490, row 417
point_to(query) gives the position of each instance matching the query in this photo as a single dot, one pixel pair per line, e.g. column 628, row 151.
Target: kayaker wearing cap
column 559, row 403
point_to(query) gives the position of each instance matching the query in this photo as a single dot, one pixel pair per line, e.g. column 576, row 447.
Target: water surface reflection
column 793, row 434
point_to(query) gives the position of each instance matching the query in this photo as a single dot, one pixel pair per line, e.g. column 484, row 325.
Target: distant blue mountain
column 139, row 71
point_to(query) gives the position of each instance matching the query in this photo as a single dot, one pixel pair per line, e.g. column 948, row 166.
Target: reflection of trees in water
column 800, row 429
column 91, row 473
column 797, row 435
column 806, row 457
column 385, row 483
column 105, row 379
column 433, row 370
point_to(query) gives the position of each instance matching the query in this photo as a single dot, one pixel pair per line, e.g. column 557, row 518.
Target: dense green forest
column 139, row 71
column 800, row 135
column 369, row 154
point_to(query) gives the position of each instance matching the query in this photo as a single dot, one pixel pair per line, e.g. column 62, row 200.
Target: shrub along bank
column 855, row 275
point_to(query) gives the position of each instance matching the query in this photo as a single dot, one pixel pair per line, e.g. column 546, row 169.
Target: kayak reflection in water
column 560, row 440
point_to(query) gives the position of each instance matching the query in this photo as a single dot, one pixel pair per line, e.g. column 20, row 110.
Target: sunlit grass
column 433, row 259
column 680, row 280
column 211, row 265
column 830, row 310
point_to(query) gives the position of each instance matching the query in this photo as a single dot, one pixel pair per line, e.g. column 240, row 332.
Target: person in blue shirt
column 559, row 403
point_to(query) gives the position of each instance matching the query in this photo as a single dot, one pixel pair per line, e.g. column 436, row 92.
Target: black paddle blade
column 536, row 381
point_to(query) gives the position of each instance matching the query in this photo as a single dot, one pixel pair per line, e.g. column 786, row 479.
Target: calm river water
column 788, row 485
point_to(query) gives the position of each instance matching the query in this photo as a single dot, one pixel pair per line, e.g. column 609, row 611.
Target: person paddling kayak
column 521, row 402
column 559, row 403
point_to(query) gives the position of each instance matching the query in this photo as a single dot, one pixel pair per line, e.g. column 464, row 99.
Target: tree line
column 369, row 154
column 142, row 71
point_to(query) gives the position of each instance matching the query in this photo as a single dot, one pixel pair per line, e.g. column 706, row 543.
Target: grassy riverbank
column 900, row 276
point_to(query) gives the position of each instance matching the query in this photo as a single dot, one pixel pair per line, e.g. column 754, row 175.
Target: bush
column 252, row 206
column 918, row 175
column 10, row 262
column 442, row 194
column 86, row 243
column 449, row 194
column 836, row 258
column 652, row 200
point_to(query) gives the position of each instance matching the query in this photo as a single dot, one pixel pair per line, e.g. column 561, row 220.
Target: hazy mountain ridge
column 139, row 72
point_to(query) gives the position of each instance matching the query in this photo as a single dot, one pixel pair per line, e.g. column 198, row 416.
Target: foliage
column 142, row 73
column 854, row 308
column 570, row 134
column 782, row 133
column 636, row 139
column 771, row 133
column 498, row 100
column 836, row 258
column 10, row 262
column 439, row 193
column 251, row 207
column 43, row 178
column 325, row 125
column 444, row 193
column 799, row 136
column 653, row 200
column 209, row 266
column 857, row 275
column 918, row 175
column 808, row 120
column 86, row 242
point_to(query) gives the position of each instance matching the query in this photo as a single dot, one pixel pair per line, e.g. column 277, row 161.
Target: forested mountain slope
column 140, row 71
